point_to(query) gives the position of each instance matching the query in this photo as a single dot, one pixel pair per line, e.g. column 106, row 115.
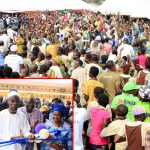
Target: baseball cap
column 130, row 86
column 138, row 110
column 13, row 48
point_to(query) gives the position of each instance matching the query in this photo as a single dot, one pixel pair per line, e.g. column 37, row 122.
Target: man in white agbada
column 13, row 124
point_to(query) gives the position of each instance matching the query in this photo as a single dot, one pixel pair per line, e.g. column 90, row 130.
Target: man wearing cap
column 45, row 110
column 13, row 60
column 127, row 98
column 134, row 132
column 13, row 124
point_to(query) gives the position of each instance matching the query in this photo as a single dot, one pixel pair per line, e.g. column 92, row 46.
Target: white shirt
column 96, row 48
column 5, row 38
column 14, row 61
column 57, row 71
column 116, row 38
column 8, row 21
column 70, row 55
column 35, row 75
column 80, row 116
column 42, row 48
column 2, row 49
column 112, row 57
column 11, row 33
column 79, row 74
column 128, row 50
column 13, row 125
column 62, row 34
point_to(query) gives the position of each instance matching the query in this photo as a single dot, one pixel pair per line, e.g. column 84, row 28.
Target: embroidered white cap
column 13, row 93
column 13, row 48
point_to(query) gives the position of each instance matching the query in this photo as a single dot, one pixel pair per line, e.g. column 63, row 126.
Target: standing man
column 13, row 124
column 90, row 85
column 110, row 80
column 13, row 60
column 80, row 117
column 34, row 116
column 75, row 57
column 125, row 49
column 134, row 132
column 79, row 74
column 5, row 38
column 93, row 62
column 127, row 98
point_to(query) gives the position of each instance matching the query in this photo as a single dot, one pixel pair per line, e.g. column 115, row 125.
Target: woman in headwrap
column 60, row 131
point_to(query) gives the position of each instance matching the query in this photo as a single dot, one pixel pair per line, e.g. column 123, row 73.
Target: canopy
column 143, row 10
column 134, row 8
column 34, row 5
column 114, row 7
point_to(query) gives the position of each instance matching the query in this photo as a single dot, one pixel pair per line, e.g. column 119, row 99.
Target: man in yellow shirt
column 52, row 49
column 90, row 84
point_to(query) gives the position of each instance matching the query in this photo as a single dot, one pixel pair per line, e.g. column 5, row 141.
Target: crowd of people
column 19, row 119
column 120, row 124
column 49, row 44
column 108, row 58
